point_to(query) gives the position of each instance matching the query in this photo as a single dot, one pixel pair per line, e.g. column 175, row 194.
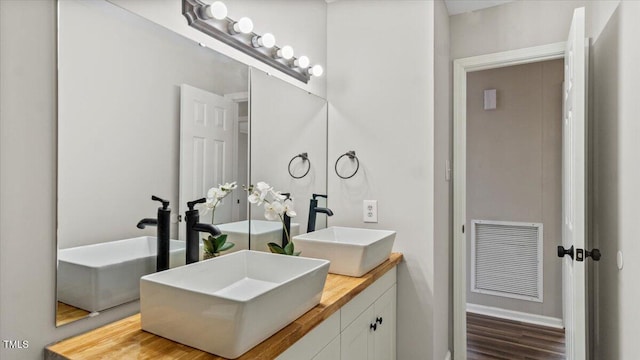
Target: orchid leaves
column 287, row 250
column 216, row 244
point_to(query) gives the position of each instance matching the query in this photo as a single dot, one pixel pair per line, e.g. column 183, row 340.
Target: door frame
column 460, row 69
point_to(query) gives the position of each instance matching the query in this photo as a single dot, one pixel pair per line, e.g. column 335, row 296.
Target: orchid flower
column 215, row 196
column 276, row 206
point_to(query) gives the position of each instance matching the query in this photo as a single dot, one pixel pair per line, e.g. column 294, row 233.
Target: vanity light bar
column 212, row 20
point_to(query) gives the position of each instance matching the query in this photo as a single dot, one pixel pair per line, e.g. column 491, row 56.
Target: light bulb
column 217, row 10
column 244, row 25
column 316, row 70
column 285, row 52
column 267, row 40
column 302, row 62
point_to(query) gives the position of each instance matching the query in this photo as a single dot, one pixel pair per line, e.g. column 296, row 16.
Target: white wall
column 616, row 79
column 515, row 25
column 119, row 117
column 443, row 125
column 381, row 95
column 28, row 166
column 296, row 122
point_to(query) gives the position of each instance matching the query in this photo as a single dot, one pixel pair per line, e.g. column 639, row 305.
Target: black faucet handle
column 191, row 204
column 315, row 196
column 165, row 203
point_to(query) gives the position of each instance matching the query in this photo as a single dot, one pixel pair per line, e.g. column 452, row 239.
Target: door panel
column 356, row 342
column 207, row 143
column 385, row 334
column 574, row 187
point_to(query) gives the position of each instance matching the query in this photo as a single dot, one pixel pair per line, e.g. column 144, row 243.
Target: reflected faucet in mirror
column 194, row 227
column 163, row 224
column 286, row 220
column 314, row 210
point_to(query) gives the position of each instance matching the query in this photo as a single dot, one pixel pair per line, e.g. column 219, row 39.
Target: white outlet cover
column 370, row 211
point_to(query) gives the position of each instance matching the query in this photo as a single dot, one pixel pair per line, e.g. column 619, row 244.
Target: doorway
column 574, row 212
column 514, row 211
column 574, row 100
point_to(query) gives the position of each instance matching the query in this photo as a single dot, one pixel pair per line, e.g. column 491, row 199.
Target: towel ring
column 304, row 157
column 351, row 155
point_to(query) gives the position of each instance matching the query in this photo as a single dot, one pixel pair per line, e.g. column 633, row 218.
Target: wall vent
column 506, row 259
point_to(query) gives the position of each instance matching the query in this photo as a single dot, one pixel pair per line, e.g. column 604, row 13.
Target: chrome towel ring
column 351, row 155
column 304, row 157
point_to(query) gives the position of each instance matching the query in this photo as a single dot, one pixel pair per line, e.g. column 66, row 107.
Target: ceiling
column 462, row 6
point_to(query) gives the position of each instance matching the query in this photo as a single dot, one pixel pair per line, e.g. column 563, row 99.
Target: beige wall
column 514, row 167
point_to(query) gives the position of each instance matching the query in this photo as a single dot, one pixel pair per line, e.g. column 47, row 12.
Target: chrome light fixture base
column 218, row 29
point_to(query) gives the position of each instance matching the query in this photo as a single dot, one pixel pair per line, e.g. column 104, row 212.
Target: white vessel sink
column 100, row 276
column 229, row 304
column 262, row 232
column 352, row 251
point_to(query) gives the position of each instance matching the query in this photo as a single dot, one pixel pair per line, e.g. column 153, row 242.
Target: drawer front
column 314, row 342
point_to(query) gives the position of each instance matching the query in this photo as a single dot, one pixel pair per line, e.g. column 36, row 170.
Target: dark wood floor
column 490, row 338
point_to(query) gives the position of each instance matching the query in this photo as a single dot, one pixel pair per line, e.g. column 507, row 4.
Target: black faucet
column 163, row 222
column 194, row 227
column 286, row 220
column 314, row 210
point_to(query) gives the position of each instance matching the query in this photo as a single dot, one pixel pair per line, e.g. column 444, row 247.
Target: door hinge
column 179, row 218
column 463, row 229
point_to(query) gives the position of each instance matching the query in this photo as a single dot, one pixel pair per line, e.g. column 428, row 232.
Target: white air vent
column 506, row 259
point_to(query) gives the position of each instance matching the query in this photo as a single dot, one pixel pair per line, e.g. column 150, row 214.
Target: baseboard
column 516, row 315
column 448, row 357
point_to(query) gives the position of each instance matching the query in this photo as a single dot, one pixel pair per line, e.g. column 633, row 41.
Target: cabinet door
column 357, row 339
column 385, row 334
column 330, row 352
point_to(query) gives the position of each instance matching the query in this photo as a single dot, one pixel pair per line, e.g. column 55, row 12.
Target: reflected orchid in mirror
column 213, row 245
column 215, row 196
column 276, row 206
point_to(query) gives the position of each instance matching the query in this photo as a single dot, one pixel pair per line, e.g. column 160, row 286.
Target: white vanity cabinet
column 372, row 335
column 364, row 328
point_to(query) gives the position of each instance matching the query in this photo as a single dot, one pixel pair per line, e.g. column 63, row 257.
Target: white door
column 573, row 188
column 206, row 149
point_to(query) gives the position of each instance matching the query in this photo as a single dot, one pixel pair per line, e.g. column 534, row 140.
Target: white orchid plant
column 213, row 245
column 276, row 206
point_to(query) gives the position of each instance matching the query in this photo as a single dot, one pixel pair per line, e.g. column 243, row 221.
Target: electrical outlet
column 370, row 211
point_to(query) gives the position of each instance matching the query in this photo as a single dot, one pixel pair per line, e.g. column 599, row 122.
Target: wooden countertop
column 125, row 339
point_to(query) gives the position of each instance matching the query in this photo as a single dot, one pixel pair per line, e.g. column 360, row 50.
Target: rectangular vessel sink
column 352, row 251
column 229, row 304
column 100, row 276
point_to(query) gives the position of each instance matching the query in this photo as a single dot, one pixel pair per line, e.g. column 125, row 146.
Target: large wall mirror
column 145, row 111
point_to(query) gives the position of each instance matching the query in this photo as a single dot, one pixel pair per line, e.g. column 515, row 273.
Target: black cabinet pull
column 379, row 320
column 373, row 326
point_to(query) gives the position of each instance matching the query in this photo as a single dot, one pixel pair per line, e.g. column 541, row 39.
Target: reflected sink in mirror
column 100, row 276
column 229, row 304
column 262, row 232
column 352, row 251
